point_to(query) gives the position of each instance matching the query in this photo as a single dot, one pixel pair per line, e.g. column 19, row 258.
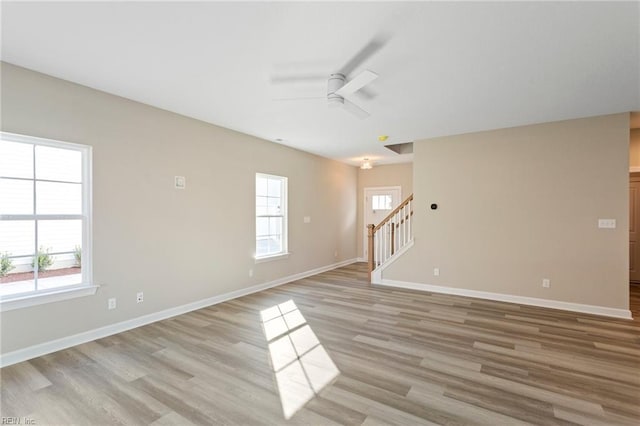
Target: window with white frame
column 271, row 215
column 381, row 202
column 45, row 216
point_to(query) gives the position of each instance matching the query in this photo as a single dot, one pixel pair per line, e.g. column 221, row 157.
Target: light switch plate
column 607, row 223
column 307, row 219
column 180, row 182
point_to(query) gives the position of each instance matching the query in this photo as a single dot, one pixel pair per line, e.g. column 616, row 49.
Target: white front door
column 378, row 203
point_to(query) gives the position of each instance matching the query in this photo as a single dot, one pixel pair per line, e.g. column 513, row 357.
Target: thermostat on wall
column 180, row 182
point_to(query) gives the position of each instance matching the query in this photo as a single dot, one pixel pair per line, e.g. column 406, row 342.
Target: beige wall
column 634, row 148
column 176, row 246
column 389, row 175
column 522, row 204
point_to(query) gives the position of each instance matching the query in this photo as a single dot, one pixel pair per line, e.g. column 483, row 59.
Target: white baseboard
column 523, row 300
column 362, row 259
column 34, row 351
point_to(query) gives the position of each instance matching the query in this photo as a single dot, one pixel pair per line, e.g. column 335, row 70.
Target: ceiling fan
column 340, row 87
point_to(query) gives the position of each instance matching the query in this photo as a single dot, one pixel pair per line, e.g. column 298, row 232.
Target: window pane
column 274, row 245
column 381, row 202
column 19, row 279
column 16, row 159
column 262, row 246
column 377, row 204
column 274, row 186
column 59, row 278
column 63, row 271
column 262, row 226
column 17, row 237
column 275, row 226
column 261, row 186
column 58, row 164
column 59, row 235
column 273, row 205
column 16, row 196
column 58, row 198
column 261, row 205
column 387, row 202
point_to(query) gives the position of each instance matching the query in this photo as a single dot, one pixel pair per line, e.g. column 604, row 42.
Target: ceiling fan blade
column 307, row 78
column 367, row 51
column 358, row 82
column 303, row 98
column 367, row 93
column 355, row 109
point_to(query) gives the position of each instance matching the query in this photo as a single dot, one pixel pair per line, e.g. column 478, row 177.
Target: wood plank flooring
column 331, row 349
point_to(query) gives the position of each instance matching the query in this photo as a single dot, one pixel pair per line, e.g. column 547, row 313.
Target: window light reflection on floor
column 301, row 365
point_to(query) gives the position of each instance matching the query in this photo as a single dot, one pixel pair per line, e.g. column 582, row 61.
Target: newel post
column 370, row 233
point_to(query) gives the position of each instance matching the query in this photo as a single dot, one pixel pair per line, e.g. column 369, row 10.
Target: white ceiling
column 446, row 68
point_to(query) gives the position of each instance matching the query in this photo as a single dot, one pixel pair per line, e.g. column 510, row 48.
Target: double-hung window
column 45, row 219
column 271, row 216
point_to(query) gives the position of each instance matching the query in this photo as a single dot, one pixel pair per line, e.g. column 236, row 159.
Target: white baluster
column 375, row 250
column 386, row 241
column 404, row 224
column 410, row 220
column 407, row 218
column 381, row 243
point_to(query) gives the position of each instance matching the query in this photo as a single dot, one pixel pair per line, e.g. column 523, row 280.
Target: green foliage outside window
column 43, row 260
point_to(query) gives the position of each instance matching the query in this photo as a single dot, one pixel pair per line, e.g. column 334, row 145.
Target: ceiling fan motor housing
column 336, row 81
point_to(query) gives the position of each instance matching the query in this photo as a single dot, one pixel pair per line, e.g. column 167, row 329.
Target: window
column 381, row 202
column 45, row 218
column 271, row 215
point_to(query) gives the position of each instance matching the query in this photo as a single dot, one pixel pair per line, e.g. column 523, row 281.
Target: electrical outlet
column 335, row 253
column 436, row 272
column 140, row 297
column 111, row 303
column 546, row 283
column 250, row 273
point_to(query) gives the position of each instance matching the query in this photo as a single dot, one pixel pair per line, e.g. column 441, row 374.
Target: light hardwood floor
column 331, row 349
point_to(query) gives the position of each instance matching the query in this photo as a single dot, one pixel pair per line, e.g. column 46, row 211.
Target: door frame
column 365, row 236
column 633, row 175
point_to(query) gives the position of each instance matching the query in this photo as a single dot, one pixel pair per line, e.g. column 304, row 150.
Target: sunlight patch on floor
column 301, row 364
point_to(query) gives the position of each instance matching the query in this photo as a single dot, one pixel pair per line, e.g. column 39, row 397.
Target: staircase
column 391, row 236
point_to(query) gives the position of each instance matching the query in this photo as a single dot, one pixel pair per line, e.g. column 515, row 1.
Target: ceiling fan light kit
column 335, row 82
column 338, row 88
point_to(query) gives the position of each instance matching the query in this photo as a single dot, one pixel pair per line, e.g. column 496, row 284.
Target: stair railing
column 390, row 235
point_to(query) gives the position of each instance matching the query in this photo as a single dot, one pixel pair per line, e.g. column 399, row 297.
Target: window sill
column 273, row 257
column 48, row 297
